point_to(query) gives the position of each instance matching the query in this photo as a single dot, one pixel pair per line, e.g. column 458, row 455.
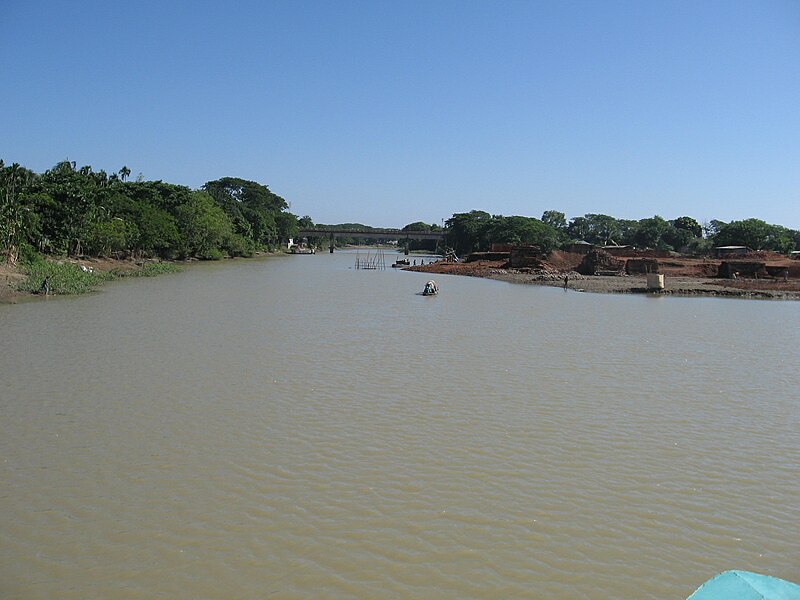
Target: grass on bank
column 64, row 278
column 151, row 270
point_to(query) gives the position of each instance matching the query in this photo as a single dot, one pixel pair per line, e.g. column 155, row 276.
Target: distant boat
column 744, row 585
column 401, row 262
column 296, row 250
column 430, row 289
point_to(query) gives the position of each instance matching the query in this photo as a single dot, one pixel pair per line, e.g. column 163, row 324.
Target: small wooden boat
column 430, row 289
column 402, row 262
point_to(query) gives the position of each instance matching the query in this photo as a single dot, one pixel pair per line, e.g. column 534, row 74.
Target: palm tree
column 124, row 172
column 101, row 178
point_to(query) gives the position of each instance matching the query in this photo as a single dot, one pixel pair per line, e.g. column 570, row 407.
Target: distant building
column 617, row 250
column 579, row 247
column 723, row 251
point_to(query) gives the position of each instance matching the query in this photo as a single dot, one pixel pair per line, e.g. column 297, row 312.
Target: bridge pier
column 331, row 244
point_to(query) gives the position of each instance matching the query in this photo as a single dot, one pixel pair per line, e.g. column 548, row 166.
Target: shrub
column 152, row 269
column 62, row 278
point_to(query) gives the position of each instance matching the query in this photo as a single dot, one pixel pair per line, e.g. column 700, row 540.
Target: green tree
column 204, row 227
column 650, row 232
column 556, row 220
column 166, row 196
column 69, row 202
column 111, row 237
column 712, row 227
column 681, row 233
column 755, row 234
column 285, row 226
column 794, row 235
column 16, row 218
column 523, row 230
column 606, row 230
column 253, row 209
column 598, row 229
column 158, row 232
column 627, row 231
column 689, row 224
column 153, row 230
column 427, row 245
column 700, row 246
column 675, row 238
column 70, row 210
column 467, row 232
column 578, row 229
column 417, row 226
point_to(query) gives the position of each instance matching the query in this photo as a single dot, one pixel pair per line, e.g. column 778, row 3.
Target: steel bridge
column 386, row 234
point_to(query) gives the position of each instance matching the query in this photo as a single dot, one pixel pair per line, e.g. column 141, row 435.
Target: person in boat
column 431, row 288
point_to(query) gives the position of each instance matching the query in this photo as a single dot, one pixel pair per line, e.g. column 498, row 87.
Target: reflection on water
column 294, row 428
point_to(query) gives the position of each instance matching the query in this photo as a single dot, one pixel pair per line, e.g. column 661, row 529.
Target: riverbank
column 10, row 280
column 675, row 284
column 13, row 280
column 15, row 287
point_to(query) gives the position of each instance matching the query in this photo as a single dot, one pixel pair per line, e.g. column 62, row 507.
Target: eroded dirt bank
column 10, row 279
column 683, row 276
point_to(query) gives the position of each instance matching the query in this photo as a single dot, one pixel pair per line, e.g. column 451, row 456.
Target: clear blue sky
column 387, row 113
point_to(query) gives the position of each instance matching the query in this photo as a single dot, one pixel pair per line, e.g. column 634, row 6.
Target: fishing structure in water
column 373, row 262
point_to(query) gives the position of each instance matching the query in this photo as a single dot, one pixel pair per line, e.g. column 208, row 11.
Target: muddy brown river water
column 295, row 428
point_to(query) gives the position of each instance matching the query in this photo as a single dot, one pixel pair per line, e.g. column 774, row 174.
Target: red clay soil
column 564, row 261
column 683, row 275
column 479, row 268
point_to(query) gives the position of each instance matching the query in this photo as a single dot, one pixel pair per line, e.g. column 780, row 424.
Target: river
column 292, row 427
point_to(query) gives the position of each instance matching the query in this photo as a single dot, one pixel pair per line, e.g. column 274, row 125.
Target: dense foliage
column 61, row 278
column 69, row 211
column 421, row 245
column 478, row 230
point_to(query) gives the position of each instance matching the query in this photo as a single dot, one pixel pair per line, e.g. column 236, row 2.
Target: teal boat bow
column 743, row 585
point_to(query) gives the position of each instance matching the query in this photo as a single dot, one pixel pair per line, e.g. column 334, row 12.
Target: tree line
column 477, row 230
column 71, row 211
